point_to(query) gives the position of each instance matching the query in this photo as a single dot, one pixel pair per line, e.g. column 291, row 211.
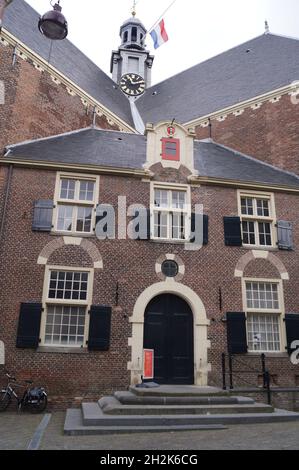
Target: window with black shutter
column 43, row 215
column 232, row 231
column 292, row 330
column 28, row 335
column 285, row 235
column 236, row 333
column 99, row 328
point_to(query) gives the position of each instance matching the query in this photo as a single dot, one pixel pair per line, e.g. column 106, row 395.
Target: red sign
column 171, row 131
column 148, row 364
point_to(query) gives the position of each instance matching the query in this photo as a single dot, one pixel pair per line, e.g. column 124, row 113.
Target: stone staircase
column 169, row 408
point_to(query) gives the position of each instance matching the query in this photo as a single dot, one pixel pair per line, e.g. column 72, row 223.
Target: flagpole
column 164, row 13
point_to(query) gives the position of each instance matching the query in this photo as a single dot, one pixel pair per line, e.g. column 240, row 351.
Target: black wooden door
column 168, row 329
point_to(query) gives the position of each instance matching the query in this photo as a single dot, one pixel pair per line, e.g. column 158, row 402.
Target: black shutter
column 236, row 333
column 232, row 231
column 29, row 326
column 285, row 235
column 43, row 215
column 99, row 328
column 205, row 228
column 292, row 329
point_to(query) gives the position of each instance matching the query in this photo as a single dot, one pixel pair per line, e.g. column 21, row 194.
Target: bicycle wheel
column 5, row 400
column 40, row 406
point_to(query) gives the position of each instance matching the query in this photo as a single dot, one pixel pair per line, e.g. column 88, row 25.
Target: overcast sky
column 197, row 29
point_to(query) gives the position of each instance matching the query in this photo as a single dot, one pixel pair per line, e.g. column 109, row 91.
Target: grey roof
column 89, row 146
column 258, row 66
column 217, row 161
column 22, row 21
column 123, row 150
column 222, row 81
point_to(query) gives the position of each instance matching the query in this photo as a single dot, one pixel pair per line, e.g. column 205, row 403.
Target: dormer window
column 171, row 149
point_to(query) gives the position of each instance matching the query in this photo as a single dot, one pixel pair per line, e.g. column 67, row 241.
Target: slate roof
column 123, row 150
column 21, row 20
column 222, row 81
column 217, row 161
column 89, row 146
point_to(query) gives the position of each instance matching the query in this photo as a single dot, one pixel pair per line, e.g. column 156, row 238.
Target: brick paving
column 17, row 430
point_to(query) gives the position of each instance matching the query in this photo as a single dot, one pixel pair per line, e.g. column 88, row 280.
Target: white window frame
column 76, row 202
column 256, row 218
column 171, row 187
column 280, row 312
column 46, row 301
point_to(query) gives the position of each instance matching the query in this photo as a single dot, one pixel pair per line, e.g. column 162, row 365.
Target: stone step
column 93, row 415
column 179, row 391
column 110, row 405
column 74, row 427
column 129, row 398
column 94, row 424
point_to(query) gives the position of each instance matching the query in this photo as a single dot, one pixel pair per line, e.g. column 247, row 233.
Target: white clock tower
column 132, row 56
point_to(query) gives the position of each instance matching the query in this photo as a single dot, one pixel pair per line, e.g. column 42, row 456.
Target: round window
column 170, row 268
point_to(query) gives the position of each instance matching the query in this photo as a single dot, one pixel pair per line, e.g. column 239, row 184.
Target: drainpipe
column 6, row 197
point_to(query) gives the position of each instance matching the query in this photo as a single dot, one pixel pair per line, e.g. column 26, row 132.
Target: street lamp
column 53, row 24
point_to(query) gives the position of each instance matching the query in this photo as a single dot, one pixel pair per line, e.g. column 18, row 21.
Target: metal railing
column 232, row 373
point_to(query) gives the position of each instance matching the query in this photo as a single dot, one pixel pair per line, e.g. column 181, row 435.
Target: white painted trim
column 201, row 323
column 255, row 218
column 280, row 312
column 75, row 203
column 45, row 301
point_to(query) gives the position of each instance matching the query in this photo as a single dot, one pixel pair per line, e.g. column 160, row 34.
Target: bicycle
column 35, row 399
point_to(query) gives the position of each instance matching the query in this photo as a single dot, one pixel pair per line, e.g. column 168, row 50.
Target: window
column 75, row 204
column 171, row 213
column 133, row 65
column 257, row 219
column 126, row 36
column 67, row 297
column 134, row 34
column 170, row 268
column 264, row 315
column 171, row 149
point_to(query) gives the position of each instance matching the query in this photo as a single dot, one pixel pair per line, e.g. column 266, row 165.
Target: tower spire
column 134, row 9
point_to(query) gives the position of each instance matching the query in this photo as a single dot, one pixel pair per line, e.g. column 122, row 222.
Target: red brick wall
column 35, row 106
column 270, row 133
column 132, row 265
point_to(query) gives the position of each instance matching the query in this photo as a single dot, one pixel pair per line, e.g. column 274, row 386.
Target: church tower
column 131, row 64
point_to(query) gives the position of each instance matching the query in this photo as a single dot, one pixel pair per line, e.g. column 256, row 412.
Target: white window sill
column 165, row 240
column 269, row 354
column 62, row 350
column 73, row 234
column 260, row 248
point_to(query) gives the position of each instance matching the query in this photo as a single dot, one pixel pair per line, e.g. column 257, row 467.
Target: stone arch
column 258, row 254
column 201, row 323
column 58, row 243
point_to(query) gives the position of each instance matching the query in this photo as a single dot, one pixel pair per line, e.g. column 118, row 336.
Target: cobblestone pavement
column 17, row 430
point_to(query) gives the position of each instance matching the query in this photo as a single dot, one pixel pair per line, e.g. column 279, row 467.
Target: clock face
column 132, row 84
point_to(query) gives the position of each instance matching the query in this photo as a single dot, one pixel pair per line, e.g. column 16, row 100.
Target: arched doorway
column 168, row 329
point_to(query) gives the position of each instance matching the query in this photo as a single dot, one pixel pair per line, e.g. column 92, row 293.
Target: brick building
column 202, row 254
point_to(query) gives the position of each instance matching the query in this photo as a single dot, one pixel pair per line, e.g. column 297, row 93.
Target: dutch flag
column 159, row 35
